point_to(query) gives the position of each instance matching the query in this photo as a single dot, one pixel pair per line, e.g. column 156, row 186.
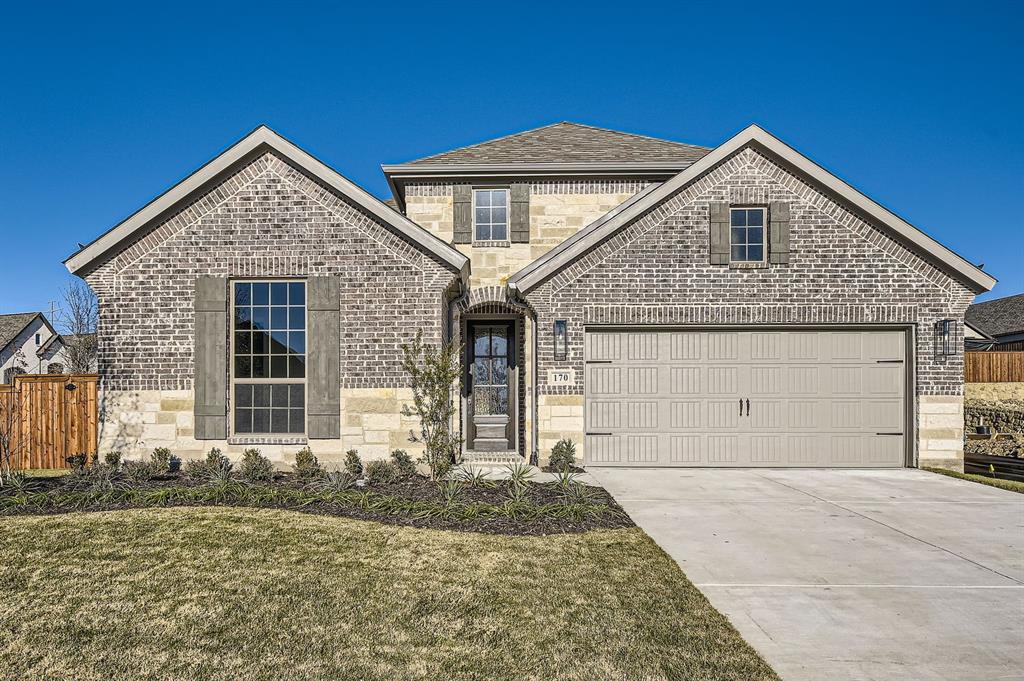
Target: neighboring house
column 662, row 304
column 999, row 323
column 29, row 345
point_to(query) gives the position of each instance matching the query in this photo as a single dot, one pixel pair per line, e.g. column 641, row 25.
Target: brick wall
column 842, row 270
column 267, row 219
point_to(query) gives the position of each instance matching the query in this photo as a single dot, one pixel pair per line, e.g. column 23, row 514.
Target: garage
column 828, row 398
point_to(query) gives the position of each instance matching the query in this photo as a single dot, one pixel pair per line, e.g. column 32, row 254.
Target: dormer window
column 746, row 234
column 490, row 214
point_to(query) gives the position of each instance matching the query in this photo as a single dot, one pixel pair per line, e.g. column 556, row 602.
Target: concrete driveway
column 837, row 575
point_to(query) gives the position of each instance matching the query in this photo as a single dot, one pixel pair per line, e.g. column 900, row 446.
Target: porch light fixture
column 946, row 337
column 561, row 339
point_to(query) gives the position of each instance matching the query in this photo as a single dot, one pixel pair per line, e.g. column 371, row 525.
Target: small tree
column 10, row 418
column 435, row 376
column 77, row 320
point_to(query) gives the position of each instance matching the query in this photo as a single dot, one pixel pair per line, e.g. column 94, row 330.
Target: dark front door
column 491, row 386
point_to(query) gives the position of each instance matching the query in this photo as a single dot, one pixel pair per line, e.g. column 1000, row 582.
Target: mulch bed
column 417, row 489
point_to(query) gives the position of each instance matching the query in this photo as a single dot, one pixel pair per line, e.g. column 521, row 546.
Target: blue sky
column 103, row 107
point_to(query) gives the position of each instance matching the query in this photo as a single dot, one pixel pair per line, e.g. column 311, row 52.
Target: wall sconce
column 561, row 339
column 946, row 337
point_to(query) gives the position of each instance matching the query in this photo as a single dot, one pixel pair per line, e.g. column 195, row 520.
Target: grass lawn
column 1011, row 485
column 230, row 593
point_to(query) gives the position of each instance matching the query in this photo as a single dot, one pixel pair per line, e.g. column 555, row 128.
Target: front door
column 491, row 369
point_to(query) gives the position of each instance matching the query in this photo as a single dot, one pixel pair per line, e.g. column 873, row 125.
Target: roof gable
column 12, row 325
column 567, row 142
column 600, row 230
column 260, row 139
column 999, row 317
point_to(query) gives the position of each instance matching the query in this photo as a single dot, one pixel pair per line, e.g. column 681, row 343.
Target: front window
column 747, row 234
column 268, row 356
column 490, row 214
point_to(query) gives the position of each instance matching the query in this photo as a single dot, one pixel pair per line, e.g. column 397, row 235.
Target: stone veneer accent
column 843, row 270
column 136, row 422
column 267, row 219
column 557, row 211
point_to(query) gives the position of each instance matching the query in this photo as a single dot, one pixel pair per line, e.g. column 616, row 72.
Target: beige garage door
column 745, row 398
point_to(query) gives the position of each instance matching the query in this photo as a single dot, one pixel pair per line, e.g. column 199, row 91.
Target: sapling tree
column 11, row 444
column 435, row 377
column 77, row 320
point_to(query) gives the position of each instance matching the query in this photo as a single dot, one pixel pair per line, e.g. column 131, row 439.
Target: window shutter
column 323, row 358
column 210, row 361
column 778, row 228
column 463, row 213
column 519, row 213
column 719, row 232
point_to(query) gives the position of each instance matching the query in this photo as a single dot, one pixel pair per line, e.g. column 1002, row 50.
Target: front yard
column 233, row 593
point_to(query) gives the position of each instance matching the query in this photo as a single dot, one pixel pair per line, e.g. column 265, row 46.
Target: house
column 660, row 303
column 29, row 345
column 999, row 323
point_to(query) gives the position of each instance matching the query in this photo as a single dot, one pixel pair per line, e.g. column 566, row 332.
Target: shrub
column 332, row 482
column 138, row 472
column 306, row 466
column 161, row 458
column 215, row 466
column 432, row 373
column 381, row 471
column 403, row 463
column 353, row 465
column 112, row 459
column 563, row 455
column 255, row 467
column 77, row 461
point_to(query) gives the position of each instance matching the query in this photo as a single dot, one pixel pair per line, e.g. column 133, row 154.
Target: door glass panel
column 490, row 370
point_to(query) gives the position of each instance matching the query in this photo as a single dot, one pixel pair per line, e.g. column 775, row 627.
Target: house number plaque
column 561, row 376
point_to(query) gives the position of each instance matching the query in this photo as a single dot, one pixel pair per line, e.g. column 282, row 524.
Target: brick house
column 661, row 304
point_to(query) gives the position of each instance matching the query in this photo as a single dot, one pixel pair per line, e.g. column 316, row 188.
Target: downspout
column 515, row 299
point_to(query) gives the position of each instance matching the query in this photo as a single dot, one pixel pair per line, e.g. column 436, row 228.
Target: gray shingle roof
column 12, row 324
column 567, row 142
column 999, row 317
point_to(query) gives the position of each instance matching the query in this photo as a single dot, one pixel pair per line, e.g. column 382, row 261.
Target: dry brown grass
column 227, row 593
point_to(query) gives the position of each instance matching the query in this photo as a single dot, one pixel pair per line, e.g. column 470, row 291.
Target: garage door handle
column 888, row 433
column 741, row 406
column 748, row 407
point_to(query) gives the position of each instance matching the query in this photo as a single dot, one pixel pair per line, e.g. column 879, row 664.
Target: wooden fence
column 994, row 367
column 49, row 417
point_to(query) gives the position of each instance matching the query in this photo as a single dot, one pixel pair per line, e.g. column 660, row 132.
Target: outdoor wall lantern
column 561, row 339
column 946, row 337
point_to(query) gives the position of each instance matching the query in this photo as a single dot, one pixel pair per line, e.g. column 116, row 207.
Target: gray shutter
column 519, row 213
column 719, row 232
column 463, row 213
column 323, row 358
column 210, row 360
column 778, row 229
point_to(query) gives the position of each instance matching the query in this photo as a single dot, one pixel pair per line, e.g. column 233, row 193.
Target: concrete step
column 490, row 444
column 490, row 430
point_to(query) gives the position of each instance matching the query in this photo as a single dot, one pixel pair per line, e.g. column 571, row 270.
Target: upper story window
column 38, row 339
column 490, row 214
column 746, row 234
column 268, row 357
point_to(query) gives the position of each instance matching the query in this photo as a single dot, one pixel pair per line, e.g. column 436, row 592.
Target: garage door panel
column 723, row 449
column 766, row 415
column 723, row 380
column 604, row 449
column 722, row 414
column 642, row 380
column 684, row 380
column 678, row 398
column 604, row 380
